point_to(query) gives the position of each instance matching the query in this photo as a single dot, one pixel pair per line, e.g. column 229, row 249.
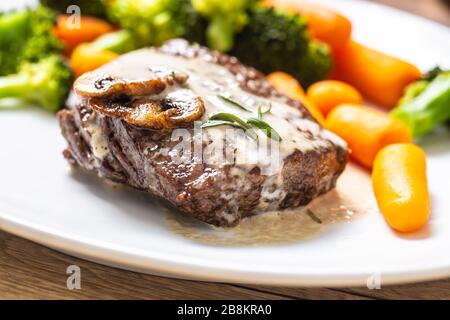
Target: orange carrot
column 89, row 29
column 400, row 186
column 324, row 24
column 366, row 130
column 288, row 85
column 379, row 77
column 328, row 94
column 85, row 58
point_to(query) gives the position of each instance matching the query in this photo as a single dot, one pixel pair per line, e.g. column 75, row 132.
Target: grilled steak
column 129, row 121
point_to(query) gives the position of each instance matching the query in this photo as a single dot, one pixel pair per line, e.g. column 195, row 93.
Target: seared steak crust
column 219, row 194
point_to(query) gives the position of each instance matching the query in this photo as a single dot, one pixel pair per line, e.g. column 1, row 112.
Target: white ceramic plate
column 42, row 201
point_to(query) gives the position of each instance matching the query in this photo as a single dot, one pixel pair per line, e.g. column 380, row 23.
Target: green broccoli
column 153, row 22
column 277, row 41
column 264, row 38
column 314, row 65
column 45, row 83
column 13, row 26
column 194, row 25
column 225, row 19
column 426, row 103
column 120, row 41
column 87, row 7
column 26, row 36
column 433, row 73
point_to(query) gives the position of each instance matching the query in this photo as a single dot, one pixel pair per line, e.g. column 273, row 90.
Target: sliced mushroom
column 109, row 82
column 178, row 108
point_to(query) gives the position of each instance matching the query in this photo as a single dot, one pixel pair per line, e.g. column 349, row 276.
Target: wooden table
column 31, row 271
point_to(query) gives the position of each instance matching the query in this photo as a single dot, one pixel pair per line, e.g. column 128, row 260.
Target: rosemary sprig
column 215, row 123
column 313, row 216
column 229, row 117
column 233, row 102
column 235, row 121
column 224, row 118
column 261, row 111
column 265, row 127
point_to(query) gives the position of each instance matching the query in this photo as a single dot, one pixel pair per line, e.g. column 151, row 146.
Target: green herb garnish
column 224, row 118
column 215, row 123
column 265, row 127
column 261, row 111
column 229, row 117
column 235, row 121
column 313, row 216
column 233, row 102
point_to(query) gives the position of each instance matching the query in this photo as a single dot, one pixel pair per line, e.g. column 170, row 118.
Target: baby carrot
column 379, row 77
column 85, row 58
column 88, row 29
column 400, row 186
column 288, row 85
column 366, row 130
column 324, row 24
column 327, row 94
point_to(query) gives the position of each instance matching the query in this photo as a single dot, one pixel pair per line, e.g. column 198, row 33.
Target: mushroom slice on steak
column 178, row 108
column 111, row 82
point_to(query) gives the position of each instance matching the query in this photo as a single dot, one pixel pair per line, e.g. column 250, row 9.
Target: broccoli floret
column 433, row 73
column 41, row 40
column 425, row 104
column 270, row 38
column 315, row 64
column 26, row 36
column 153, row 22
column 412, row 91
column 13, row 27
column 193, row 24
column 45, row 83
column 88, row 7
column 225, row 19
column 278, row 41
column 120, row 41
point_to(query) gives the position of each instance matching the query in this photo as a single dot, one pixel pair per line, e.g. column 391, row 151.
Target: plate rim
column 111, row 257
column 114, row 257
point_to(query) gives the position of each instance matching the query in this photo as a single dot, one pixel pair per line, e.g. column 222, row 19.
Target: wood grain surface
column 31, row 271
